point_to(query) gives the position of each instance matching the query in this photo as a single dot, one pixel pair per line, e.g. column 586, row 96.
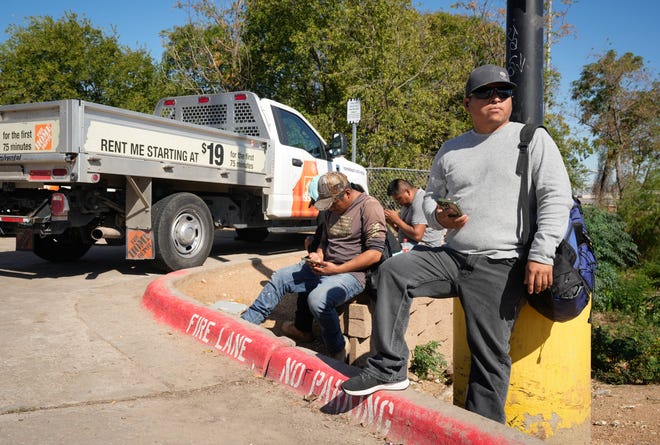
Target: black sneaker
column 365, row 384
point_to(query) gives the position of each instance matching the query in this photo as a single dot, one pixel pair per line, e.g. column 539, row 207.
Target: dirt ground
column 620, row 414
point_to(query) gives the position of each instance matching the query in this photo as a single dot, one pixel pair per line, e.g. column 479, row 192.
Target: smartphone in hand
column 310, row 262
column 452, row 206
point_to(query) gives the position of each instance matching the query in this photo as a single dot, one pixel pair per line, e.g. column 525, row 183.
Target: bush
column 428, row 363
column 605, row 293
column 626, row 331
column 625, row 350
column 610, row 241
column 652, row 270
column 631, row 292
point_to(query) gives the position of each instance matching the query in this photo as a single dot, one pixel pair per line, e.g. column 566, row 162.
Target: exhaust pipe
column 105, row 233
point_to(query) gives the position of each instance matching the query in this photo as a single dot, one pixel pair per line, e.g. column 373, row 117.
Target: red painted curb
column 388, row 413
column 236, row 338
column 313, row 375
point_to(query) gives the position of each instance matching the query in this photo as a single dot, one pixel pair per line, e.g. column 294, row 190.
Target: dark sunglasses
column 487, row 93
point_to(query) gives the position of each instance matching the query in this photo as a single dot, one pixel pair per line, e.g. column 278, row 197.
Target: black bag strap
column 522, row 168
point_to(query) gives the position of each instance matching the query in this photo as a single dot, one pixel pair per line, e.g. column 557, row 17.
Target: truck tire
column 252, row 235
column 67, row 246
column 183, row 231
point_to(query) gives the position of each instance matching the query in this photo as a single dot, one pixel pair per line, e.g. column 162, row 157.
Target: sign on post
column 353, row 111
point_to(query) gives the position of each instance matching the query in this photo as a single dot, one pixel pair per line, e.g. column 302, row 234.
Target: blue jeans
column 325, row 294
column 491, row 292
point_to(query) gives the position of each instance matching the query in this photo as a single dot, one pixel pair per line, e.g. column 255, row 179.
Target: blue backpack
column 574, row 268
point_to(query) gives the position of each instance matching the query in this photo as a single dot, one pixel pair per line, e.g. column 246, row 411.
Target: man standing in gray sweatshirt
column 485, row 261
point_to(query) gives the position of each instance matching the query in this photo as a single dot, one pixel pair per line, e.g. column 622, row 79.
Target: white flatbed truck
column 74, row 172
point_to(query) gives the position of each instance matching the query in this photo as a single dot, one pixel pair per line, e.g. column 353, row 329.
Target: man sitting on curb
column 300, row 329
column 353, row 240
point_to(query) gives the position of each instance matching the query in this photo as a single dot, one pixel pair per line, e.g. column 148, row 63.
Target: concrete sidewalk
column 407, row 416
column 82, row 362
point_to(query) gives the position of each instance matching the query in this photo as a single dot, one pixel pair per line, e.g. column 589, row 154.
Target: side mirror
column 338, row 146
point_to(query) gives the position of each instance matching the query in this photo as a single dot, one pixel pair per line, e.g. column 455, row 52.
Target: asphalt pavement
column 105, row 351
column 83, row 362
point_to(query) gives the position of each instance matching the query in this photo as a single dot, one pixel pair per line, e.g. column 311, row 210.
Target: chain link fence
column 380, row 177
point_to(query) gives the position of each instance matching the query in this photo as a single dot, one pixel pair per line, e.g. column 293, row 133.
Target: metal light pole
column 524, row 58
column 550, row 388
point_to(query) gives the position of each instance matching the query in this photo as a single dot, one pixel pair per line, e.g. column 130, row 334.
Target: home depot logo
column 43, row 137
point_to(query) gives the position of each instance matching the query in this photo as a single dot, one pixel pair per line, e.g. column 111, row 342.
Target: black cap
column 486, row 75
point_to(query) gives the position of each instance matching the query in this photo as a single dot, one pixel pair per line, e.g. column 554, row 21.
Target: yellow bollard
column 550, row 388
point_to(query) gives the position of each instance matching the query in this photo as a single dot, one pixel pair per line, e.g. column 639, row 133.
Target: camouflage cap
column 331, row 185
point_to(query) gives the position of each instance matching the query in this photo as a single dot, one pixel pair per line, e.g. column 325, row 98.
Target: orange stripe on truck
column 301, row 199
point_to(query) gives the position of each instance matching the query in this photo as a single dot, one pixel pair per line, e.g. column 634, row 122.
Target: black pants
column 491, row 292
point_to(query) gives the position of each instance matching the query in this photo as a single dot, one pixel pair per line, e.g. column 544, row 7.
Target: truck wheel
column 183, row 231
column 67, row 246
column 252, row 235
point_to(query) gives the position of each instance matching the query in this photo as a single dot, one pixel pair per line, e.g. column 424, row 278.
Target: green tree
column 207, row 54
column 618, row 102
column 488, row 18
column 294, row 53
column 69, row 58
column 407, row 68
column 615, row 250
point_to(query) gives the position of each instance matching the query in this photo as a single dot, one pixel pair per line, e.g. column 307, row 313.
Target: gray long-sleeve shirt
column 479, row 172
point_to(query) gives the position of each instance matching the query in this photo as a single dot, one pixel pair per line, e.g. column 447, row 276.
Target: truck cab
column 296, row 151
column 299, row 154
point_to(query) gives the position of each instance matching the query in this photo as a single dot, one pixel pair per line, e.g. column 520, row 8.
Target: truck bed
column 73, row 141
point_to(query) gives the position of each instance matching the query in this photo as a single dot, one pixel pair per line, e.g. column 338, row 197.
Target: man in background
column 410, row 222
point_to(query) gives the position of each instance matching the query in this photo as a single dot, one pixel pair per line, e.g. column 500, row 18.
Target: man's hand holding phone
column 449, row 214
column 312, row 262
column 451, row 207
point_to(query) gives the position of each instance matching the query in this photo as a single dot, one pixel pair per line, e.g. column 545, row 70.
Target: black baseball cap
column 486, row 75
